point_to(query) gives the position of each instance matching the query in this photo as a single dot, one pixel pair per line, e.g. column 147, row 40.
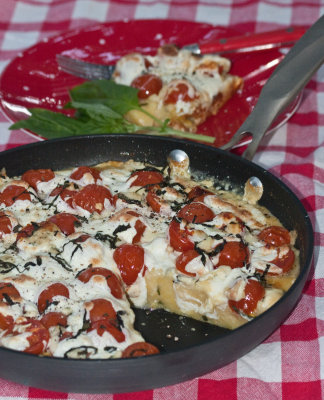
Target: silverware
column 287, row 80
column 243, row 43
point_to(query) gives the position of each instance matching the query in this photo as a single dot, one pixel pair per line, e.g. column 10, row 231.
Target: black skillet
column 188, row 348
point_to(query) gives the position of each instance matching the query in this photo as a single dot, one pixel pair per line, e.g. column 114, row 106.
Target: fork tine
column 84, row 69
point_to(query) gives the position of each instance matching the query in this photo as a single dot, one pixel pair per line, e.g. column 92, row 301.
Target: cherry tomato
column 7, row 290
column 254, row 292
column 153, row 201
column 183, row 259
column 45, row 298
column 65, row 194
column 39, row 337
column 179, row 238
column 179, row 92
column 12, row 193
column 78, row 173
column 26, row 231
column 145, row 177
column 198, row 193
column 140, row 229
column 196, row 212
column 34, row 176
column 112, row 280
column 147, row 85
column 66, row 222
column 6, row 322
column 130, row 261
column 275, row 236
column 92, row 198
column 5, row 224
column 105, row 325
column 233, row 254
column 140, row 349
column 53, row 319
column 285, row 262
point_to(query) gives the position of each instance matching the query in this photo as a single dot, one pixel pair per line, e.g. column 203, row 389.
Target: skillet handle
column 287, row 80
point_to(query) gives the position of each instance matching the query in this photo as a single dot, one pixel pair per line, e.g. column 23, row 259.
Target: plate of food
column 34, row 79
column 114, row 249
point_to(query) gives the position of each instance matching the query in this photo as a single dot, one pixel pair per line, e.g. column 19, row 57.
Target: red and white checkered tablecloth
column 289, row 365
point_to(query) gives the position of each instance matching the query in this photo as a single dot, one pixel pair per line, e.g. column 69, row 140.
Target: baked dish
column 177, row 86
column 81, row 247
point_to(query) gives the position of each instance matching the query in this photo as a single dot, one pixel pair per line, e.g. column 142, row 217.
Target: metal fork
column 287, row 80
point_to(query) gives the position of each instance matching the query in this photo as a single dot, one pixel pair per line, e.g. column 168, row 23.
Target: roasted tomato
column 140, row 229
column 65, row 194
column 183, row 259
column 8, row 292
column 35, row 176
column 6, row 322
column 146, row 177
column 130, row 261
column 53, row 319
column 147, row 85
column 46, row 296
column 180, row 92
column 153, row 201
column 66, row 222
column 286, row 261
column 254, row 292
column 198, row 193
column 92, row 198
column 113, row 282
column 179, row 238
column 233, row 254
column 5, row 224
column 13, row 193
column 140, row 349
column 79, row 173
column 196, row 213
column 275, row 236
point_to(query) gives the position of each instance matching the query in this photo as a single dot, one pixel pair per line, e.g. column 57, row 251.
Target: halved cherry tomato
column 198, row 193
column 65, row 194
column 233, row 254
column 286, row 261
column 196, row 212
column 13, row 193
column 46, row 296
column 183, row 259
column 140, row 349
column 92, row 198
column 147, row 85
column 130, row 261
column 26, row 231
column 78, row 173
column 53, row 319
column 140, row 229
column 112, row 280
column 254, row 292
column 179, row 92
column 105, row 325
column 5, row 224
column 7, row 290
column 39, row 337
column 6, row 322
column 153, row 201
column 275, row 236
column 102, row 309
column 179, row 238
column 66, row 222
column 146, row 177
column 34, row 176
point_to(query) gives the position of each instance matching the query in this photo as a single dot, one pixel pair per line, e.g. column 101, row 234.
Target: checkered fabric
column 289, row 365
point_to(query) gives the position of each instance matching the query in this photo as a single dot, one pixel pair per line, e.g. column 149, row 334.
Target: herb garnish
column 98, row 107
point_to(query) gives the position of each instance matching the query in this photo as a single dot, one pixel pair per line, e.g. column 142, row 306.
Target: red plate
column 33, row 79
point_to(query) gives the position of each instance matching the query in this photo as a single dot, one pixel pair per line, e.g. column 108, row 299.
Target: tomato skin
column 198, row 193
column 8, row 290
column 183, row 259
column 140, row 349
column 140, row 229
column 179, row 238
column 6, row 322
column 66, row 222
column 112, row 280
column 26, row 231
column 275, row 236
column 146, row 177
column 92, row 198
column 104, row 325
column 153, row 201
column 5, row 224
column 286, row 262
column 79, row 172
column 233, row 254
column 254, row 292
column 46, row 296
column 178, row 92
column 196, row 212
column 130, row 261
column 53, row 319
column 65, row 194
column 12, row 193
column 34, row 176
column 147, row 85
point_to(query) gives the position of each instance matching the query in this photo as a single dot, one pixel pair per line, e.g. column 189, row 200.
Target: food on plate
column 80, row 247
column 177, row 85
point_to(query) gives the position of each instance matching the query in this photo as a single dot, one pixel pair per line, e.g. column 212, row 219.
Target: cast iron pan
column 188, row 348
